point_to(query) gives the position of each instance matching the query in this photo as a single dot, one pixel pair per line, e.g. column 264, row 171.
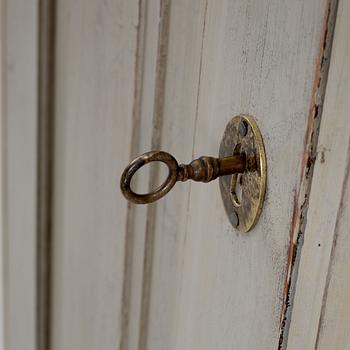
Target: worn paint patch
column 301, row 192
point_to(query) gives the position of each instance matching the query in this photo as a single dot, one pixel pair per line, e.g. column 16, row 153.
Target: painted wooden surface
column 19, row 42
column 147, row 57
column 177, row 115
column 210, row 287
column 137, row 75
column 334, row 324
column 2, row 187
column 95, row 88
column 320, row 316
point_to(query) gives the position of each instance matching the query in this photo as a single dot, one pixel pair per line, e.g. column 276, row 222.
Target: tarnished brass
column 203, row 169
column 242, row 136
column 241, row 163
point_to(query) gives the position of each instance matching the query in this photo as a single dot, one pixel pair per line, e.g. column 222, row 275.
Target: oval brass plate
column 243, row 194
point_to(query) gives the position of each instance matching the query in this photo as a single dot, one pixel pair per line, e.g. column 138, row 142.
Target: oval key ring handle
column 139, row 162
column 203, row 169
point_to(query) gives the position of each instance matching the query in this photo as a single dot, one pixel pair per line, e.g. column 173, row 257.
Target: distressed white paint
column 95, row 77
column 19, row 129
column 143, row 128
column 179, row 122
column 334, row 325
column 320, row 318
column 212, row 287
column 2, row 197
column 209, row 286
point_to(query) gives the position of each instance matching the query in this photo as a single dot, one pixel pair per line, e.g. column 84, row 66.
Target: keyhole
column 237, row 189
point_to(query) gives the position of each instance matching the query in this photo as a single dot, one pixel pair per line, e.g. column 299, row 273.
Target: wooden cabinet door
column 117, row 78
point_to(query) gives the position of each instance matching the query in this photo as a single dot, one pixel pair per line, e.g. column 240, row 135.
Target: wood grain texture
column 2, row 171
column 143, row 109
column 301, row 196
column 211, row 287
column 157, row 122
column 45, row 141
column 334, row 323
column 319, row 317
column 180, row 94
column 95, row 94
column 19, row 117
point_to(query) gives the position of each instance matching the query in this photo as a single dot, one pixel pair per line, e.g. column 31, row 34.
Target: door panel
column 90, row 84
column 320, row 317
column 211, row 287
column 19, row 108
column 137, row 75
column 95, row 87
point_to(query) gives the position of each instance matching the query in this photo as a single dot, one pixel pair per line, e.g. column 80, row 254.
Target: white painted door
column 103, row 81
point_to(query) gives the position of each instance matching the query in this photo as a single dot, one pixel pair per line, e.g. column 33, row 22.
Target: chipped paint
column 301, row 192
